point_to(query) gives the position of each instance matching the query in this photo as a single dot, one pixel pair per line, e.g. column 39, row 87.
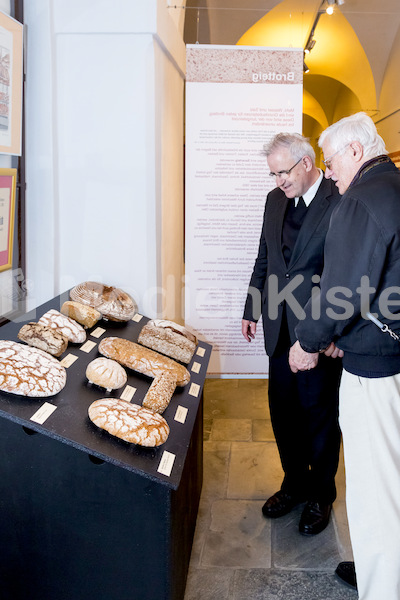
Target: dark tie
column 291, row 226
column 301, row 204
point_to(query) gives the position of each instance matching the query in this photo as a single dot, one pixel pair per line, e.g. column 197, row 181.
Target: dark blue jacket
column 363, row 241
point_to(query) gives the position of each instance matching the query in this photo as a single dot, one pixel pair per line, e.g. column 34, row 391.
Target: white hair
column 356, row 128
column 298, row 146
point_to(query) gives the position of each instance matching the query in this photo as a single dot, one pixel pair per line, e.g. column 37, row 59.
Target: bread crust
column 113, row 303
column 43, row 337
column 28, row 371
column 141, row 359
column 68, row 327
column 129, row 422
column 160, row 392
column 106, row 373
column 85, row 315
column 168, row 338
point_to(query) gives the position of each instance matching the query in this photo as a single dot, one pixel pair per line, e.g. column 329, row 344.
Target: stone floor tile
column 207, row 426
column 236, row 403
column 202, row 527
column 209, row 584
column 262, row 431
column 255, row 470
column 292, row 550
column 238, row 536
column 272, row 584
column 215, row 469
column 231, row 429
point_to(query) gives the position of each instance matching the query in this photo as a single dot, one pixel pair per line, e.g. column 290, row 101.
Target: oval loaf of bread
column 106, row 373
column 68, row 327
column 129, row 422
column 28, row 371
column 140, row 359
column 83, row 314
column 112, row 302
column 45, row 338
column 160, row 392
column 169, row 338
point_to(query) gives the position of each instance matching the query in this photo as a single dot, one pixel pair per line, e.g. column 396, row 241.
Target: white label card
column 166, row 463
column 68, row 360
column 128, row 393
column 43, row 413
column 200, row 351
column 196, row 367
column 137, row 318
column 98, row 332
column 181, row 414
column 194, row 390
column 88, row 346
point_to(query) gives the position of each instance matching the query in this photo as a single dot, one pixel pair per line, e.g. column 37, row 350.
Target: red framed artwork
column 8, row 180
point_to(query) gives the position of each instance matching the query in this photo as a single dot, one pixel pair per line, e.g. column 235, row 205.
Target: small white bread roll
column 160, row 392
column 106, row 373
column 129, row 422
column 68, row 327
column 28, row 371
column 85, row 315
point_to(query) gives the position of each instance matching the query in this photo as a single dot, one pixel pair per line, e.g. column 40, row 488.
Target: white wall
column 94, row 178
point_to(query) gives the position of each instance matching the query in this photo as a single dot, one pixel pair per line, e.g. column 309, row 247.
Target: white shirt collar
column 309, row 195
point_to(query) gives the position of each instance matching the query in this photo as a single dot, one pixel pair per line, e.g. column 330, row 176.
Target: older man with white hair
column 360, row 313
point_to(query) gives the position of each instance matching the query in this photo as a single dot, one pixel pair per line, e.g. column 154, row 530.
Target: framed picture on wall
column 11, row 72
column 8, row 181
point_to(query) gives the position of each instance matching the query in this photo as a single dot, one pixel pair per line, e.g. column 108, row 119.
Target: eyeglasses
column 287, row 172
column 328, row 162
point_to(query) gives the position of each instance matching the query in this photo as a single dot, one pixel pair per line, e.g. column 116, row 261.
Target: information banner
column 237, row 99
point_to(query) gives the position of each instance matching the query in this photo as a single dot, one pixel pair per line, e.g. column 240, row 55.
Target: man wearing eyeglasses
column 303, row 406
column 362, row 259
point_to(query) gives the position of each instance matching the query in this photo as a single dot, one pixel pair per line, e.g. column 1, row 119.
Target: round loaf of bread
column 83, row 314
column 129, row 422
column 68, row 327
column 106, row 373
column 112, row 302
column 28, row 371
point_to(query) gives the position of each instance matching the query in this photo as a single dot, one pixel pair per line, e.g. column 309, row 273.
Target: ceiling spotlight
column 305, row 68
column 331, row 5
column 310, row 45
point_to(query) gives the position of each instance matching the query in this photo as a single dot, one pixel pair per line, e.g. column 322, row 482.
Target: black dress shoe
column 315, row 518
column 347, row 573
column 279, row 504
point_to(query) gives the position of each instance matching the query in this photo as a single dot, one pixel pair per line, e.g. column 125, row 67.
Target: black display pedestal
column 85, row 516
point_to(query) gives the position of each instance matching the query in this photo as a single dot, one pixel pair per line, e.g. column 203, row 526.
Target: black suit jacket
column 275, row 285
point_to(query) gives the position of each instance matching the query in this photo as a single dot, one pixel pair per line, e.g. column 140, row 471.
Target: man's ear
column 357, row 151
column 308, row 163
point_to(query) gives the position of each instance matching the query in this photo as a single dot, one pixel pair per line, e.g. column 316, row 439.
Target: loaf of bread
column 68, row 327
column 140, row 359
column 83, row 314
column 106, row 373
column 46, row 338
column 129, row 422
column 28, row 371
column 169, row 338
column 160, row 392
column 113, row 303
